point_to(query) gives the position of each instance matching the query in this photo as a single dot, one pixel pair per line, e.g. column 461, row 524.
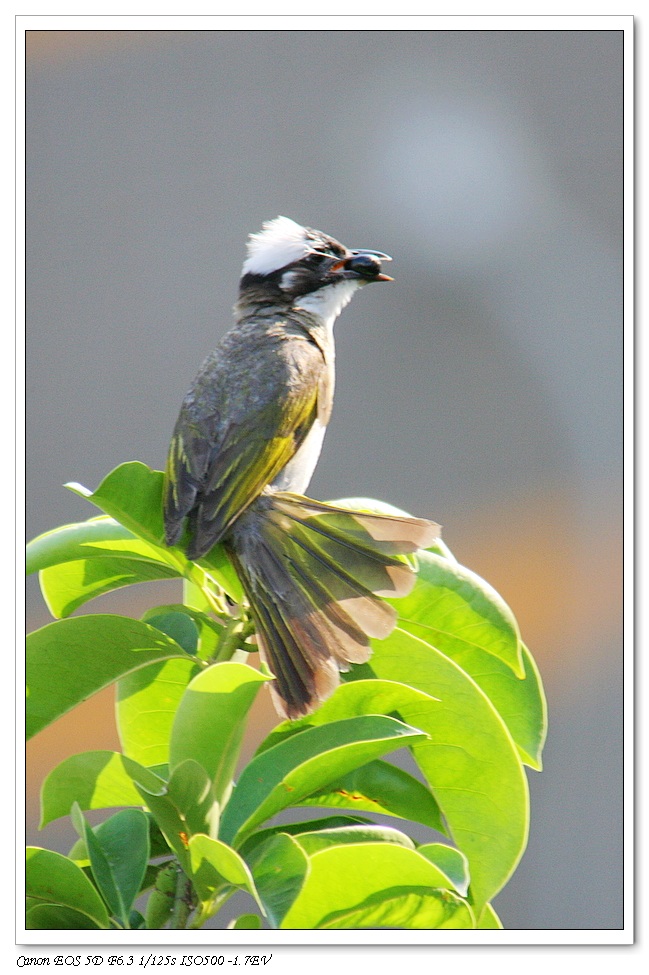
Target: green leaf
column 520, row 703
column 184, row 806
column 192, row 792
column 147, row 701
column 245, row 922
column 379, row 787
column 136, row 921
column 72, row 659
column 94, row 780
column 489, row 920
column 211, row 719
column 460, row 608
column 315, row 840
column 249, row 848
column 279, row 869
column 177, row 623
column 385, row 885
column 208, row 629
column 53, row 917
column 70, row 585
column 132, row 494
column 97, row 538
column 350, row 701
column 450, row 861
column 119, row 852
column 285, row 774
column 54, row 879
column 469, row 760
column 408, row 908
column 169, row 819
column 215, row 866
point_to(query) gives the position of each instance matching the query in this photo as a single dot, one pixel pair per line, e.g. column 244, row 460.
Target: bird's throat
column 327, row 303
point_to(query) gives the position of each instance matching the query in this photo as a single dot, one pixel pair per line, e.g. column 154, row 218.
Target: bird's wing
column 217, row 465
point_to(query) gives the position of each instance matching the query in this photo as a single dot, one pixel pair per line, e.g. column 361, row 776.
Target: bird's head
column 306, row 268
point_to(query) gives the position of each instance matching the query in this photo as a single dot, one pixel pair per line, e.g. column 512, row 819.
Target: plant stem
column 232, row 639
column 184, row 902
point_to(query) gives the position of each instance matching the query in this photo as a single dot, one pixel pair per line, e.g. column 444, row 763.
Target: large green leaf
column 211, row 719
column 279, row 868
column 192, row 792
column 450, row 861
column 377, row 787
column 314, row 840
column 132, row 494
column 520, row 703
column 249, row 848
column 351, row 701
column 51, row 878
column 97, row 538
column 53, row 917
column 460, row 608
column 285, row 774
column 147, row 701
column 196, row 622
column 176, row 622
column 169, row 818
column 216, row 866
column 405, row 907
column 374, row 885
column 469, row 760
column 118, row 850
column 69, row 660
column 81, row 561
column 382, row 788
column 67, row 586
column 94, row 780
column 182, row 807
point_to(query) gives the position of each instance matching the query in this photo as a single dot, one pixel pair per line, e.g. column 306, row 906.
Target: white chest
column 298, row 472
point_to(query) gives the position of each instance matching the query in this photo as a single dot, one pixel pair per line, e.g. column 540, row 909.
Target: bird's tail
column 314, row 575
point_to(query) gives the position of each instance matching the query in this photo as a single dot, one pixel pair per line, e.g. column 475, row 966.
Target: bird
column 242, row 454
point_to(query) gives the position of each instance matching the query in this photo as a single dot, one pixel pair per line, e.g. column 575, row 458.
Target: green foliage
column 453, row 685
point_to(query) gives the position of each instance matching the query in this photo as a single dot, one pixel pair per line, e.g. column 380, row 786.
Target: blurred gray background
column 483, row 388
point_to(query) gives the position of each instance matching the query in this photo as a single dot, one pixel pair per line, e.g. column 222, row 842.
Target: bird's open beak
column 365, row 264
column 380, row 257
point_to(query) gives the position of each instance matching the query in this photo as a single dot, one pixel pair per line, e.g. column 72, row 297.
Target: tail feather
column 331, row 582
column 313, row 575
column 360, row 534
column 294, row 645
column 387, row 533
column 343, row 636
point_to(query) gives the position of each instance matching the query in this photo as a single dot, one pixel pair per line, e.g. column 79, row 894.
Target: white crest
column 280, row 242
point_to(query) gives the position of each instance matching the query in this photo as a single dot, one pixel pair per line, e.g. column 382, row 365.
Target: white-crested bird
column 243, row 451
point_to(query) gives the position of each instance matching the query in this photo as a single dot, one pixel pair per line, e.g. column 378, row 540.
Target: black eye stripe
column 317, row 256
